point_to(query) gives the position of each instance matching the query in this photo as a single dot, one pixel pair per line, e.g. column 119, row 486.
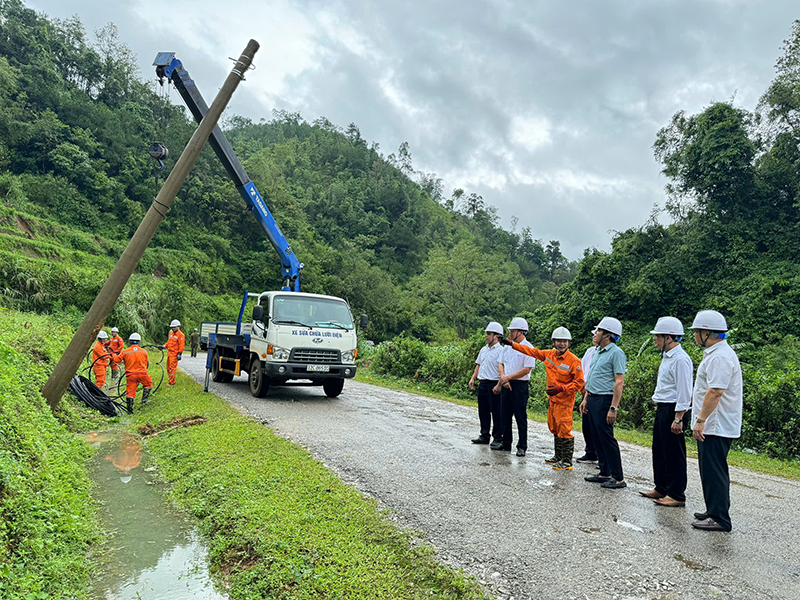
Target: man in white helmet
column 176, row 342
column 604, row 384
column 100, row 359
column 717, row 403
column 673, row 397
column 136, row 362
column 116, row 344
column 513, row 386
column 589, row 453
column 564, row 380
column 487, row 373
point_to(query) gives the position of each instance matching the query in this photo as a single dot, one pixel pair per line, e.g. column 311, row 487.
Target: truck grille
column 315, row 355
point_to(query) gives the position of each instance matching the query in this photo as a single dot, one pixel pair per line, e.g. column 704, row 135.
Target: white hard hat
column 175, row 323
column 561, row 333
column 518, row 323
column 611, row 325
column 710, row 320
column 668, row 326
column 135, row 337
column 114, row 330
column 494, row 327
column 102, row 335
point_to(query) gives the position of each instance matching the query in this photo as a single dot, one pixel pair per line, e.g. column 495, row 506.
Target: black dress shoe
column 481, row 440
column 701, row 516
column 596, row 479
column 586, row 458
column 496, row 445
column 708, row 525
column 613, row 484
column 520, row 452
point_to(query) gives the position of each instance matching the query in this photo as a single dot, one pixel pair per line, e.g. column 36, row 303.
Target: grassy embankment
column 755, row 462
column 279, row 524
column 47, row 518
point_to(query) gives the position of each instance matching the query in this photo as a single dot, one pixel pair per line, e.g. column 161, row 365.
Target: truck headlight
column 279, row 353
column 349, row 356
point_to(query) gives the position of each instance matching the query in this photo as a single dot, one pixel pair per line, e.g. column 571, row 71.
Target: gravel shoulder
column 521, row 528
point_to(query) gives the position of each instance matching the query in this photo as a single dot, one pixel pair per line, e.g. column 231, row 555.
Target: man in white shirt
column 589, row 453
column 513, row 387
column 717, row 402
column 487, row 373
column 673, row 397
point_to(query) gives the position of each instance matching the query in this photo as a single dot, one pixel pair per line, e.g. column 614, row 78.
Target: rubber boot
column 568, row 449
column 145, row 395
column 557, row 456
column 129, row 402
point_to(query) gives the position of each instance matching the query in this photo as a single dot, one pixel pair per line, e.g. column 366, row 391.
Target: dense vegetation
column 75, row 178
column 47, row 520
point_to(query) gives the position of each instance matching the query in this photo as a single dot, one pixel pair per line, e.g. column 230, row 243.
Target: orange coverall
column 566, row 371
column 116, row 345
column 128, row 456
column 101, row 365
column 136, row 361
column 175, row 345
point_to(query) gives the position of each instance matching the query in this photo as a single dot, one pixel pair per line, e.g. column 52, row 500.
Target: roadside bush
column 402, row 357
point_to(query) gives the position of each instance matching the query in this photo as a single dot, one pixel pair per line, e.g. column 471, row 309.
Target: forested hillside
column 75, row 178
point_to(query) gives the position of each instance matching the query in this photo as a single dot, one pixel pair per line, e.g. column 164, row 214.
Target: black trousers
column 514, row 403
column 712, row 456
column 488, row 408
column 669, row 454
column 586, row 429
column 605, row 444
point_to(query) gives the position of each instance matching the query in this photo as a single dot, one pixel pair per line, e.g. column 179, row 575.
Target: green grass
column 47, row 517
column 754, row 462
column 281, row 525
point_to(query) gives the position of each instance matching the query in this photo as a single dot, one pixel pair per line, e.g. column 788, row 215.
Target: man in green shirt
column 604, row 383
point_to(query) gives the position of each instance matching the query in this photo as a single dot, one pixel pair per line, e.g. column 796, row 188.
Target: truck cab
column 293, row 336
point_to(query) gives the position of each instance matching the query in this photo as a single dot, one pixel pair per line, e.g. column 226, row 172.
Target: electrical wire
column 95, row 398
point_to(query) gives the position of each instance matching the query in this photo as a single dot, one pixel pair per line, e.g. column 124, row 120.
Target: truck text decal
column 324, row 334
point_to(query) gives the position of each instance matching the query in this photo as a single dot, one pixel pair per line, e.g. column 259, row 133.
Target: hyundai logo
column 316, row 340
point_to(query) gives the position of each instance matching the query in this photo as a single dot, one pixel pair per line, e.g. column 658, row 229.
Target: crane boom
column 170, row 67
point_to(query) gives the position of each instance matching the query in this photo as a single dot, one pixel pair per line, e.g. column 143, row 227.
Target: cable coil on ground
column 93, row 397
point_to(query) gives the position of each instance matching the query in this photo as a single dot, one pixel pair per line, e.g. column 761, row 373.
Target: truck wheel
column 259, row 383
column 216, row 375
column 333, row 387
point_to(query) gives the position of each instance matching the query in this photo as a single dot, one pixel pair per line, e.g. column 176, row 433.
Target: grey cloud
column 604, row 75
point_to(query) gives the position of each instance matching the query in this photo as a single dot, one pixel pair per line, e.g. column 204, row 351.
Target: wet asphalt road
column 521, row 528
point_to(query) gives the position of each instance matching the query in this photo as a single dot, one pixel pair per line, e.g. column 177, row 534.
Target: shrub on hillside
column 402, row 357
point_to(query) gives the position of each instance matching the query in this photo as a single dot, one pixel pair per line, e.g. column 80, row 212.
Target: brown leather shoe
column 667, row 501
column 652, row 494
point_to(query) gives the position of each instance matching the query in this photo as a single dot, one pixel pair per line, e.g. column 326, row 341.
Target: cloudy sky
column 547, row 109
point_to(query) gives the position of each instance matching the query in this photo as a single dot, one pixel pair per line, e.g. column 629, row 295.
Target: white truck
column 308, row 339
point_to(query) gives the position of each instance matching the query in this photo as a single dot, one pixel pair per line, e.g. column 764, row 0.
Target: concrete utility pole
column 66, row 368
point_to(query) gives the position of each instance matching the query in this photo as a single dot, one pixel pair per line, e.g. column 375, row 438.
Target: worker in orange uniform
column 115, row 345
column 100, row 355
column 136, row 362
column 175, row 345
column 564, row 380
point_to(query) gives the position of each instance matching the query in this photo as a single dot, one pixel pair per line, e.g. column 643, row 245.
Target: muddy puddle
column 152, row 551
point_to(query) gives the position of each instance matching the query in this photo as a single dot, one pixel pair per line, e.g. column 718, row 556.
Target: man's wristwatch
column 700, row 421
column 612, row 408
column 677, row 420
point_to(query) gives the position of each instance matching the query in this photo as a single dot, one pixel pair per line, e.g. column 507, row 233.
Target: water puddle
column 153, row 551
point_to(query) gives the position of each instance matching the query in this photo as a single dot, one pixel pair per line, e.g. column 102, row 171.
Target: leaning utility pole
column 66, row 368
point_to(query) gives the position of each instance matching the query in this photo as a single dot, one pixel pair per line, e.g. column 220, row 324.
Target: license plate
column 319, row 368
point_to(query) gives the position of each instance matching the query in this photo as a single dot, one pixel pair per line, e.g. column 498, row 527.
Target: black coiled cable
column 95, row 398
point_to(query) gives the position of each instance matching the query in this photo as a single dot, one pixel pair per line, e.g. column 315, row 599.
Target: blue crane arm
column 170, row 67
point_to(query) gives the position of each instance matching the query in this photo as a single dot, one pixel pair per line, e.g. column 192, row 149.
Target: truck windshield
column 311, row 312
